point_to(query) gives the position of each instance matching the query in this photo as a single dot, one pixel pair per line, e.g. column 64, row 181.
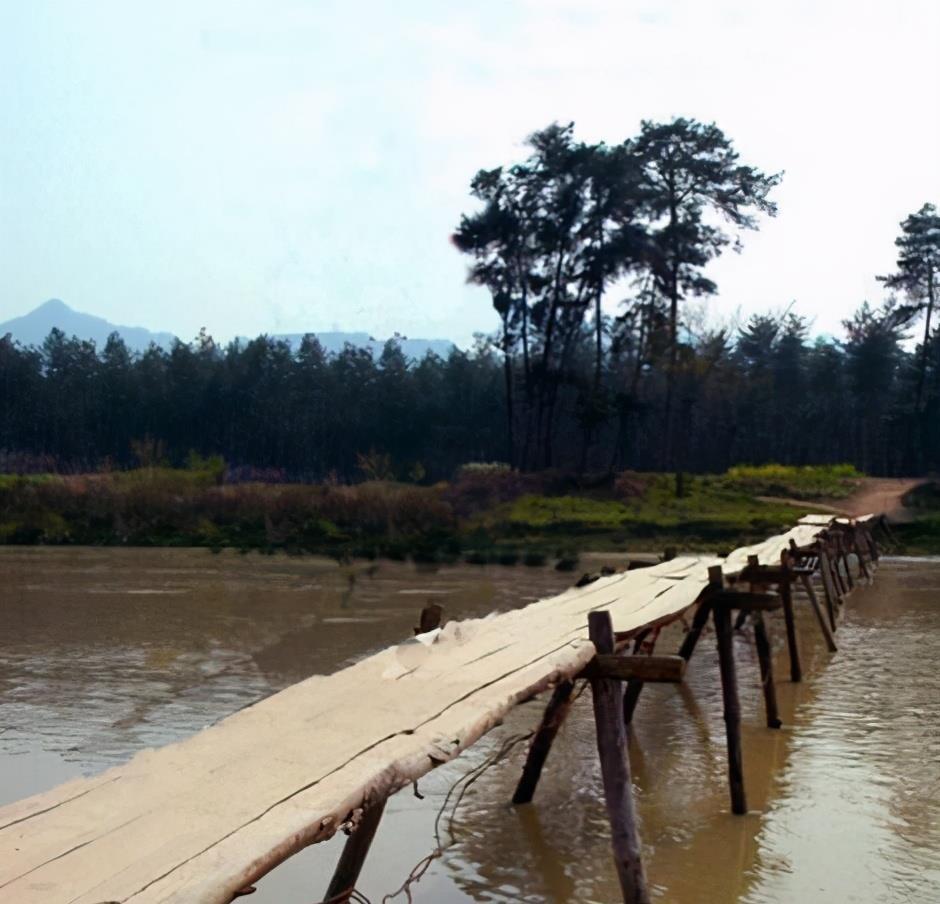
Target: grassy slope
column 485, row 515
column 717, row 512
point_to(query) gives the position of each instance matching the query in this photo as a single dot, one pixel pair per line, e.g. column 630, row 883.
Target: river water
column 104, row 652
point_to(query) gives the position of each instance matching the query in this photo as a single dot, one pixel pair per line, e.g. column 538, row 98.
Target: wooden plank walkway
column 199, row 820
column 769, row 551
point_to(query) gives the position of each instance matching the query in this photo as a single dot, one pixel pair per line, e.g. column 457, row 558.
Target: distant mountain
column 32, row 329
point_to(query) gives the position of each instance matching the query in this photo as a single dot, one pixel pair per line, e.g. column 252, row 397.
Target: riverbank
column 486, row 514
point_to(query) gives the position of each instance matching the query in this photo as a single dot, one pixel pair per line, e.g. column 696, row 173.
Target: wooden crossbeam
column 764, row 574
column 750, row 601
column 669, row 669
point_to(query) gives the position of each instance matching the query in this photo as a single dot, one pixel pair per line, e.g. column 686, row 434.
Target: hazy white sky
column 285, row 166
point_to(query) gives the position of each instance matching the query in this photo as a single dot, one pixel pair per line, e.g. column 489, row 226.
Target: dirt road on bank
column 883, row 496
column 878, row 495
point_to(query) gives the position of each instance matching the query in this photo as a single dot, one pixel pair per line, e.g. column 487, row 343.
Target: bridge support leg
column 886, row 530
column 699, row 620
column 631, row 695
column 826, row 574
column 845, row 564
column 354, row 854
column 840, row 584
column 793, row 647
column 732, row 707
column 820, row 615
column 765, row 658
column 860, row 556
column 615, row 769
column 555, row 713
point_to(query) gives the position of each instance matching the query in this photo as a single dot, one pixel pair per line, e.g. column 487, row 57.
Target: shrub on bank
column 487, row 514
column 795, row 481
column 162, row 506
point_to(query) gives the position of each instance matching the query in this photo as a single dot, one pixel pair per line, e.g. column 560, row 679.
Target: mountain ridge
column 33, row 327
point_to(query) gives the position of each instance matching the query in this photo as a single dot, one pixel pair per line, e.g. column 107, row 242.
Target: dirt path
column 882, row 495
column 878, row 495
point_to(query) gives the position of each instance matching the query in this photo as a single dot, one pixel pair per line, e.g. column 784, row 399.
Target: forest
column 594, row 256
column 765, row 393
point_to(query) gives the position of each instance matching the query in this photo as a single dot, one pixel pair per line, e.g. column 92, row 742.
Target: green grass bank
column 487, row 513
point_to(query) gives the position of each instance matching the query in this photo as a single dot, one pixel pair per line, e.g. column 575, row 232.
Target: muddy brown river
column 104, row 652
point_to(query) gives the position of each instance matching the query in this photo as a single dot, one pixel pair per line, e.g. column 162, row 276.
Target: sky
column 285, row 166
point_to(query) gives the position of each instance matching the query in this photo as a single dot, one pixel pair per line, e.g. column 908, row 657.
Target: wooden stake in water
column 796, row 669
column 344, row 880
column 555, row 713
column 729, row 694
column 765, row 658
column 615, row 769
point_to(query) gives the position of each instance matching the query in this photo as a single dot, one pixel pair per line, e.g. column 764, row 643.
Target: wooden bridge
column 200, row 820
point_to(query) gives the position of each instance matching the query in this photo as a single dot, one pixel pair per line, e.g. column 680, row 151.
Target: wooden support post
column 765, row 658
column 826, row 574
column 796, row 669
column 555, row 713
column 836, row 560
column 886, row 529
column 732, row 707
column 843, row 549
column 754, row 563
column 820, row 615
column 860, row 556
column 631, row 695
column 344, row 880
column 841, row 587
column 699, row 621
column 615, row 769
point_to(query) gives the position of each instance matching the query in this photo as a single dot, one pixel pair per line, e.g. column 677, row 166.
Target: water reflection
column 103, row 652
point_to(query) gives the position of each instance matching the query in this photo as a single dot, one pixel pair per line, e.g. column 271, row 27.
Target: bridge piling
column 721, row 615
column 555, row 714
column 615, row 769
column 355, row 851
column 786, row 595
column 765, row 659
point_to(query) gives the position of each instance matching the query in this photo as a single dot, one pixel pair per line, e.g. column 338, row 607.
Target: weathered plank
column 768, row 552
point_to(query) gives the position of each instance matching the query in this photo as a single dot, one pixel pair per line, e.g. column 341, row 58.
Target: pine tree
column 918, row 275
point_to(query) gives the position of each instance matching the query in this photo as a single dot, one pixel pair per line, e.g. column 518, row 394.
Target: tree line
column 764, row 392
column 571, row 380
